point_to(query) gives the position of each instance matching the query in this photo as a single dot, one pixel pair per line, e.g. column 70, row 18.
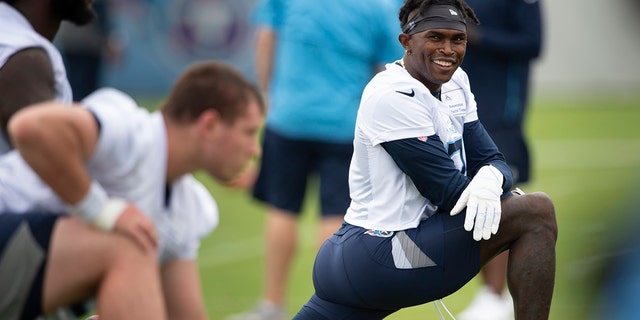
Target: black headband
column 436, row 17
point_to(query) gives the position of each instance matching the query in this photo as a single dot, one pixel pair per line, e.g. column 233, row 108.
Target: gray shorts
column 24, row 243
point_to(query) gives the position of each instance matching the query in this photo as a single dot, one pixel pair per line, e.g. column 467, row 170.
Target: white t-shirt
column 396, row 106
column 17, row 34
column 129, row 162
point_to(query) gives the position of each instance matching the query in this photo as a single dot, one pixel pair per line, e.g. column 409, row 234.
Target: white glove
column 482, row 199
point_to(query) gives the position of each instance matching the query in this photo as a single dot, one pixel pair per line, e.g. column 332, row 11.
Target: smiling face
column 434, row 55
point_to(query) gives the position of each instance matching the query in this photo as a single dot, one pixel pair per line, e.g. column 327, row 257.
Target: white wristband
column 111, row 211
column 97, row 209
column 90, row 206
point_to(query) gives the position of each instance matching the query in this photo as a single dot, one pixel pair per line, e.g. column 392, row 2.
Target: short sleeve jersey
column 396, row 106
column 17, row 34
column 129, row 162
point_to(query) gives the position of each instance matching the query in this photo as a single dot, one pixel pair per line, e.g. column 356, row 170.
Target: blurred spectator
column 499, row 54
column 85, row 49
column 619, row 286
column 621, row 289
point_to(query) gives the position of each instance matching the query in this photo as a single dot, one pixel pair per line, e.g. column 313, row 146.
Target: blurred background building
column 161, row 37
column 592, row 46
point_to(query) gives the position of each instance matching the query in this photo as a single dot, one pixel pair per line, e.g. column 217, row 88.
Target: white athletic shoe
column 488, row 305
column 264, row 311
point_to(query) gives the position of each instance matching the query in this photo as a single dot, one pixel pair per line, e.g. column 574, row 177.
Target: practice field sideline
column 586, row 156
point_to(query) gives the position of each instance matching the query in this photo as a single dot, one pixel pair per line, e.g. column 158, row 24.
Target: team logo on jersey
column 379, row 233
column 408, row 94
column 456, row 101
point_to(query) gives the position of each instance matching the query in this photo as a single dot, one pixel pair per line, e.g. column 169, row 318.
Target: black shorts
column 24, row 247
column 287, row 164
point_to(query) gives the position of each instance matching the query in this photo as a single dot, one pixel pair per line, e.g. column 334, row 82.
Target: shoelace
column 435, row 303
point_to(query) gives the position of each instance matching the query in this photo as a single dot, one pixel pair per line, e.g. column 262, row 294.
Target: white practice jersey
column 129, row 162
column 396, row 106
column 17, row 34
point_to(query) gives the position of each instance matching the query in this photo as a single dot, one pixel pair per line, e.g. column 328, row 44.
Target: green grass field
column 585, row 156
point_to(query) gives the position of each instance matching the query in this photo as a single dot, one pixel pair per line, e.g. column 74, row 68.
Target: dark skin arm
column 26, row 78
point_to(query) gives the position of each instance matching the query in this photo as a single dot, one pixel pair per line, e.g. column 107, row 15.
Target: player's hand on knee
column 482, row 199
column 137, row 226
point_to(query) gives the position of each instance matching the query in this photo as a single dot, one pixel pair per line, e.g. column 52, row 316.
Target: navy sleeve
column 430, row 168
column 480, row 150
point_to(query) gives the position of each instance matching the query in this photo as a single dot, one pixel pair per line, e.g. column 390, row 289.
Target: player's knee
column 125, row 252
column 545, row 213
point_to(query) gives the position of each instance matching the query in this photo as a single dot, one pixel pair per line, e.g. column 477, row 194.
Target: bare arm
column 26, row 78
column 265, row 50
column 182, row 290
column 56, row 141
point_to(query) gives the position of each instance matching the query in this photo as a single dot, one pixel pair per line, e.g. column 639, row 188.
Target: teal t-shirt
column 326, row 52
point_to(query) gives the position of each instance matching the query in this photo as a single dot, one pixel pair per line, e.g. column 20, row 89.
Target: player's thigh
column 521, row 215
column 79, row 257
column 392, row 270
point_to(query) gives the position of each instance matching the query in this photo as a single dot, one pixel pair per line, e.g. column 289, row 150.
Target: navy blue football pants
column 369, row 274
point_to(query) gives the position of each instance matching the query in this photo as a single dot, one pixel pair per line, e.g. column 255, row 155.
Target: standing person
column 313, row 76
column 499, row 54
column 126, row 171
column 31, row 68
column 86, row 49
column 421, row 156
